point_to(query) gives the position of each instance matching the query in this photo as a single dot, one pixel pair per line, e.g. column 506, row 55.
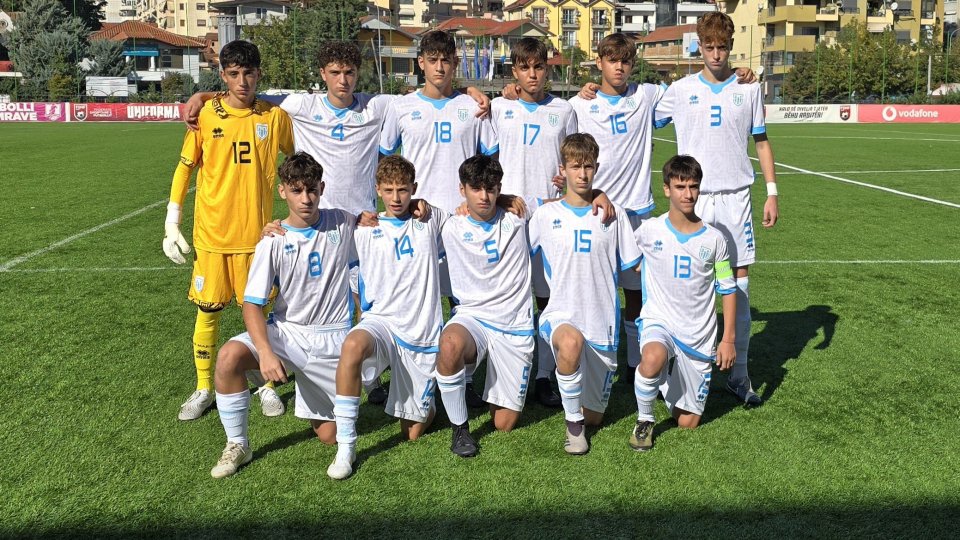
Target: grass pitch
column 855, row 338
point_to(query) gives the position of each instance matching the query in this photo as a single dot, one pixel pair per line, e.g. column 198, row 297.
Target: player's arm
column 174, row 244
column 726, row 351
column 270, row 366
column 745, row 75
column 771, row 208
column 483, row 101
column 191, row 109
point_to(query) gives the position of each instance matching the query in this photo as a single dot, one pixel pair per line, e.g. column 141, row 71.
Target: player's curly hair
column 395, row 170
column 438, row 42
column 617, row 48
column 579, row 148
column 481, row 172
column 715, row 27
column 301, row 169
column 683, row 167
column 528, row 51
column 240, row 53
column 344, row 53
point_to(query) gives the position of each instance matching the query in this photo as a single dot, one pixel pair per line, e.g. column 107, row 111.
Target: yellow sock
column 205, row 346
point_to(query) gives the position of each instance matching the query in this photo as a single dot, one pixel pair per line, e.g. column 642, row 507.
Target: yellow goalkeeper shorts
column 218, row 277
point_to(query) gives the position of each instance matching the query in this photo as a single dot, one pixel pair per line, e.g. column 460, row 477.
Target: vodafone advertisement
column 125, row 112
column 885, row 114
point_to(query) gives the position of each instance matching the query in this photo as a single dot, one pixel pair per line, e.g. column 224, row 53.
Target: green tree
column 175, row 86
column 89, row 11
column 210, row 81
column 108, row 59
column 47, row 42
column 643, row 72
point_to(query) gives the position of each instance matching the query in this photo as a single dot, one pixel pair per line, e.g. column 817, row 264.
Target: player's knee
column 451, row 352
column 688, row 421
column 568, row 343
column 229, row 358
column 504, row 423
column 326, row 432
column 352, row 351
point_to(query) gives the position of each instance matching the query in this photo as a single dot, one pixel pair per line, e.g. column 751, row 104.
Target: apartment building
column 572, row 23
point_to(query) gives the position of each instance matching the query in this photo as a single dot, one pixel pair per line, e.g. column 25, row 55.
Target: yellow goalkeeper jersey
column 236, row 152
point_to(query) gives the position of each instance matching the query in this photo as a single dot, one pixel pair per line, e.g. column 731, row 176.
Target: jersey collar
column 716, row 88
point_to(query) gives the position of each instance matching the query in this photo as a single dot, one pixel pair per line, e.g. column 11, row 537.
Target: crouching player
column 489, row 259
column 311, row 316
column 399, row 287
column 582, row 257
column 684, row 262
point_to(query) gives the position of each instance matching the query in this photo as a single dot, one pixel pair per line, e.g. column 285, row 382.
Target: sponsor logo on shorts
column 198, row 283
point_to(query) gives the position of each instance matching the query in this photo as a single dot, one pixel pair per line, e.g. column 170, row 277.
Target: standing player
column 684, row 265
column 236, row 151
column 311, row 316
column 621, row 121
column 489, row 259
column 402, row 319
column 714, row 119
column 528, row 132
column 582, row 257
column 436, row 126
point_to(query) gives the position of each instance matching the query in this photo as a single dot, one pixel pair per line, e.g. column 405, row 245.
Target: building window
column 201, row 22
column 597, row 37
column 569, row 38
column 599, row 16
column 540, row 15
column 743, row 29
column 569, row 16
column 183, row 22
column 183, row 7
column 201, row 7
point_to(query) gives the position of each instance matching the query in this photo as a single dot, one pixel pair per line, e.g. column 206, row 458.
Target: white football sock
column 453, row 391
column 742, row 344
column 234, row 412
column 645, row 391
column 346, row 409
column 571, row 388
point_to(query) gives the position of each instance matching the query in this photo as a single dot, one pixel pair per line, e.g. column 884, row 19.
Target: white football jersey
column 489, row 265
column 436, row 135
column 311, row 267
column 623, row 127
column 582, row 259
column 528, row 137
column 400, row 277
column 344, row 141
column 681, row 273
column 714, row 123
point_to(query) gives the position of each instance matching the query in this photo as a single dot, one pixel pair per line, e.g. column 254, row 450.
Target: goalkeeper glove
column 174, row 244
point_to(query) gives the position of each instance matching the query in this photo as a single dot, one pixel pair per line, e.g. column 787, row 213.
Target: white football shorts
column 687, row 384
column 732, row 213
column 598, row 368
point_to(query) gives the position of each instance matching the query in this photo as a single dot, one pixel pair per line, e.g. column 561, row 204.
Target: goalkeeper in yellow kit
column 235, row 151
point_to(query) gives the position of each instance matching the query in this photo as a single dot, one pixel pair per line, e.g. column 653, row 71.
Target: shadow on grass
column 886, row 521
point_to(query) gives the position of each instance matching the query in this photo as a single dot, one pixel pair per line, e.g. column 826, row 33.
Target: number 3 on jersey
column 402, row 246
column 714, row 115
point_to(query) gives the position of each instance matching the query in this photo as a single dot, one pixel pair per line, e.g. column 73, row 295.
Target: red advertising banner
column 126, row 112
column 882, row 114
column 33, row 112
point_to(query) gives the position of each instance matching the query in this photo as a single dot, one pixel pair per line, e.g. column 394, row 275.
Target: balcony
column 395, row 51
column 828, row 14
column 600, row 24
column 794, row 14
column 570, row 23
column 128, row 12
column 790, row 43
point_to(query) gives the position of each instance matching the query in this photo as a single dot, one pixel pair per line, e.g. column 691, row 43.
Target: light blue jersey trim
column 759, row 130
column 438, row 104
column 724, row 292
column 255, row 300
column 487, row 226
column 547, row 269
column 683, row 238
column 663, row 122
column 389, row 152
column 689, row 351
column 628, row 265
column 613, row 100
column 416, row 348
column 309, row 232
column 509, row 332
column 546, row 330
column 716, row 88
column 606, row 348
column 488, row 151
column 580, row 211
column 642, row 211
column 340, row 113
column 395, row 221
column 532, row 106
column 365, row 304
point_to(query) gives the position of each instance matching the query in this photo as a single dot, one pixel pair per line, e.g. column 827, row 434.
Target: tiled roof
column 477, row 26
column 669, row 33
column 140, row 30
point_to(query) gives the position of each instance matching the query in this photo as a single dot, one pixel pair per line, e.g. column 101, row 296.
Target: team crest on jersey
column 262, row 131
column 694, row 99
column 506, row 226
column 358, row 117
column 468, row 237
column 738, row 99
column 333, row 237
column 508, row 115
column 378, row 233
column 631, row 104
column 557, row 223
column 418, row 225
column 658, row 246
column 604, row 227
column 553, row 120
column 462, row 114
column 705, row 253
column 198, row 283
column 594, row 108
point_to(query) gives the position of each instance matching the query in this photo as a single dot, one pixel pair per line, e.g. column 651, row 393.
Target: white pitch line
column 876, row 261
column 866, row 138
column 6, row 266
column 875, row 172
column 854, row 182
column 81, row 270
